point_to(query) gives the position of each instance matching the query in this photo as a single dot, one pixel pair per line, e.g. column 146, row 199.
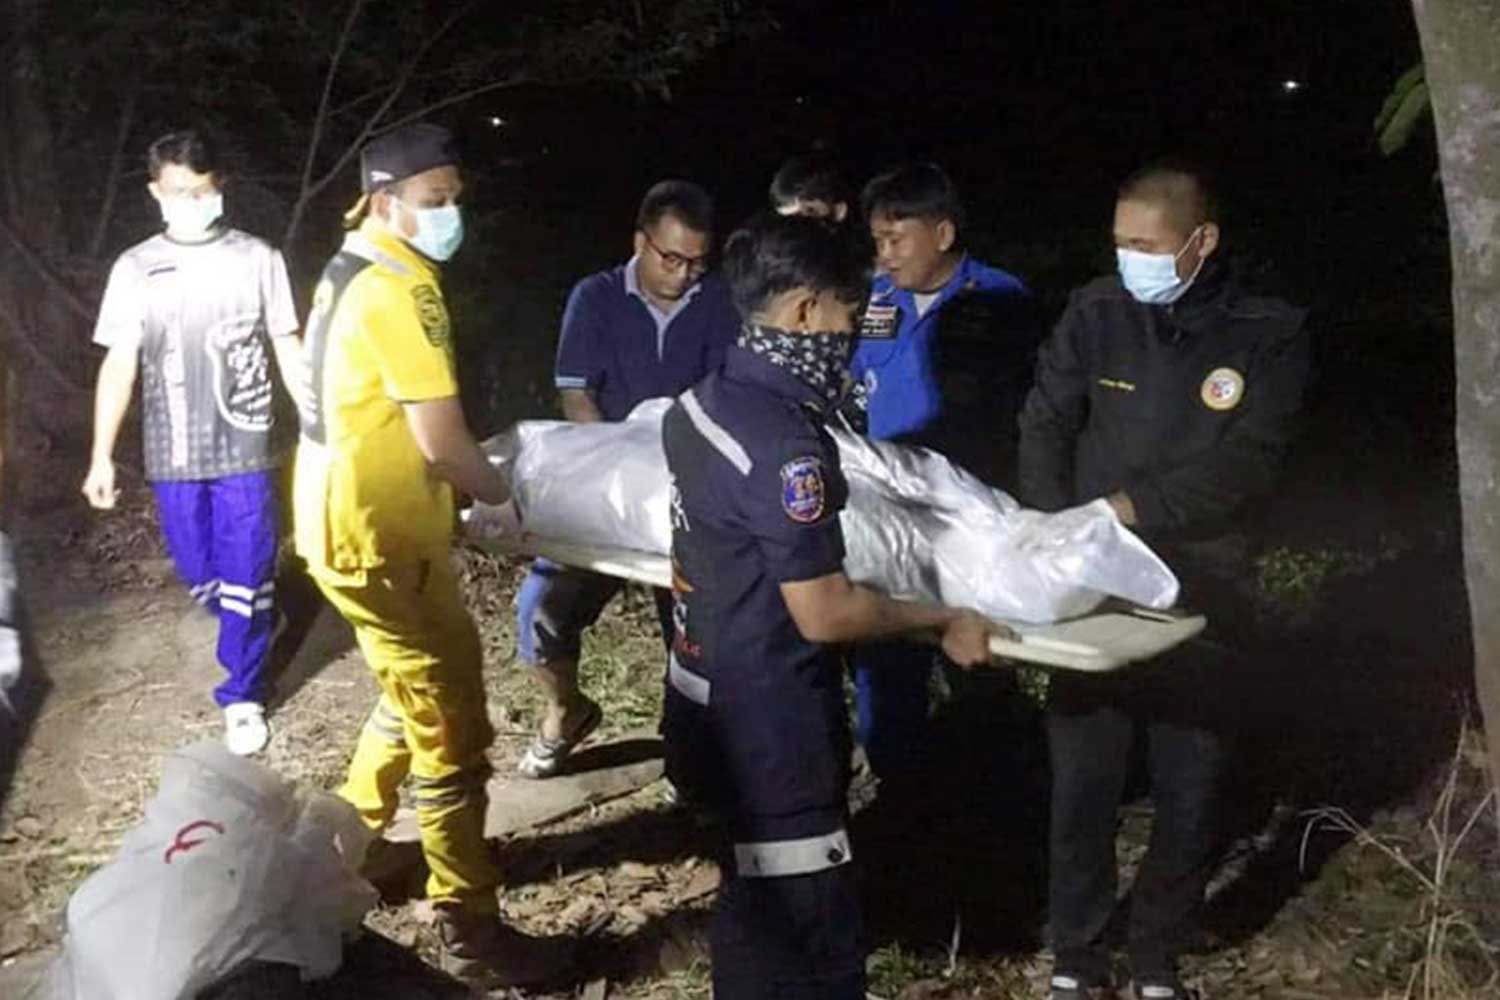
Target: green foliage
column 1407, row 106
column 1297, row 580
column 1287, row 576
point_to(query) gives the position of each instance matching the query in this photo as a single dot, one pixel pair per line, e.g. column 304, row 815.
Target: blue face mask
column 439, row 230
column 1152, row 277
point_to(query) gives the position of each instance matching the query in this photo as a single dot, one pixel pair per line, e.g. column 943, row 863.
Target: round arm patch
column 803, row 491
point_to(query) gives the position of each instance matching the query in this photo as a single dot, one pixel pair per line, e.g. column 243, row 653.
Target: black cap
column 404, row 152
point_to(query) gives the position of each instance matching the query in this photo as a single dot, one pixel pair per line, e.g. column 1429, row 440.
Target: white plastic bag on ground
column 10, row 628
column 231, row 863
column 916, row 526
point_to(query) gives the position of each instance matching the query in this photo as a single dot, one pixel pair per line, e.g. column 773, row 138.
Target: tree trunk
column 1461, row 49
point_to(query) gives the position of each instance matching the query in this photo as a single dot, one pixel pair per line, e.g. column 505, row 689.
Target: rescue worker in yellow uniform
column 384, row 445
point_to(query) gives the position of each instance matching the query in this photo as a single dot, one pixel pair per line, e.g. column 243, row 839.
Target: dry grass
column 1455, row 960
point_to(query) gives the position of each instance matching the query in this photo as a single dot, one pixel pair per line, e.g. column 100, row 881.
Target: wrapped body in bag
column 916, row 526
column 230, row 863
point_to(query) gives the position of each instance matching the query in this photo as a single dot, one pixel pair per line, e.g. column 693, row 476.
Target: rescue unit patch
column 1223, row 389
column 802, row 491
column 432, row 314
column 880, row 321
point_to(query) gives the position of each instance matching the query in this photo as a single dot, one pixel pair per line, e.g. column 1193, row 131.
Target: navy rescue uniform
column 754, row 720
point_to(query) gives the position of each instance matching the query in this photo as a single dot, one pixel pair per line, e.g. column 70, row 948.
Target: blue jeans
column 556, row 603
column 890, row 700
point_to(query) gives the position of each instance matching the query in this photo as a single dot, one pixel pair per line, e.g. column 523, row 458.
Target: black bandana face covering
column 819, row 360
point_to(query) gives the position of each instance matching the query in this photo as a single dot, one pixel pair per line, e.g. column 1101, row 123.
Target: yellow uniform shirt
column 378, row 337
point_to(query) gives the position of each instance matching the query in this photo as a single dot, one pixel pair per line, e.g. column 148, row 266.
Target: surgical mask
column 191, row 218
column 1152, row 277
column 439, row 230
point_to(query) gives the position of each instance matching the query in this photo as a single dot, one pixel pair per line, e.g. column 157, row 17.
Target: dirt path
column 131, row 665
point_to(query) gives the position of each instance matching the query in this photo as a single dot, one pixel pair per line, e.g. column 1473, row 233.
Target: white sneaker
column 245, row 728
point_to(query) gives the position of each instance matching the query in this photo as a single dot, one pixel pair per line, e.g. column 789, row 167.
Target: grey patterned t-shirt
column 202, row 316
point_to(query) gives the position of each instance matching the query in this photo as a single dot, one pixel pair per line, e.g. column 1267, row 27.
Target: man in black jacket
column 1170, row 391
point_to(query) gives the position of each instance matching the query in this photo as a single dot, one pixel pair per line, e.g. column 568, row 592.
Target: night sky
column 1038, row 111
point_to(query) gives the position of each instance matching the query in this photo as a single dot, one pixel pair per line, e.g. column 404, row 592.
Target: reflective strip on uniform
column 781, row 858
column 386, row 724
column 450, row 790
column 357, row 244
column 246, row 601
column 715, row 434
column 686, row 683
column 235, row 606
column 205, row 592
column 439, row 798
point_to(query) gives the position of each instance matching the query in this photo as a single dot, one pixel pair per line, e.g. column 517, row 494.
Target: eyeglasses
column 674, row 261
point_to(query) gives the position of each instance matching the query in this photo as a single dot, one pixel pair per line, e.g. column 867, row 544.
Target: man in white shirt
column 204, row 314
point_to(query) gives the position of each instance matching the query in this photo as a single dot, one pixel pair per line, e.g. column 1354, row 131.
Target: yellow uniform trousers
column 430, row 722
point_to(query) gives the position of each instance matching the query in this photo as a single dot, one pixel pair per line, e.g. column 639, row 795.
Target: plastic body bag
column 916, row 526
column 230, row 863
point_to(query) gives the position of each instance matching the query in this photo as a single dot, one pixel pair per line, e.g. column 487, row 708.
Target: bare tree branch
column 116, row 163
column 372, row 124
column 321, row 119
column 354, row 103
column 465, row 95
column 23, row 338
column 33, row 260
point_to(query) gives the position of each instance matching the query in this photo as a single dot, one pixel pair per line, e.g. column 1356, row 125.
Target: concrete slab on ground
column 595, row 775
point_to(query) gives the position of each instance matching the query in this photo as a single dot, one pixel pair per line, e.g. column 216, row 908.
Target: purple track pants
column 222, row 535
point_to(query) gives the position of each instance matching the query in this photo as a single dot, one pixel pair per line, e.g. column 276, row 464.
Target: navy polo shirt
column 757, row 490
column 620, row 346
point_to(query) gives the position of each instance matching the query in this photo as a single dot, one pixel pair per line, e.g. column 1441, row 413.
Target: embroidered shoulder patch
column 1223, row 389
column 432, row 314
column 880, row 321
column 803, row 495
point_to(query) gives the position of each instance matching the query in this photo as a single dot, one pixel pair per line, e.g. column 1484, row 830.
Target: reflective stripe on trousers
column 431, row 722
column 803, row 856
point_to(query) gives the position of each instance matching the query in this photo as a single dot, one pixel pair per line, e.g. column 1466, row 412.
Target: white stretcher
column 1107, row 639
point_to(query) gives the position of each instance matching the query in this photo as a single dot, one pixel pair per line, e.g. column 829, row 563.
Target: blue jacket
column 895, row 355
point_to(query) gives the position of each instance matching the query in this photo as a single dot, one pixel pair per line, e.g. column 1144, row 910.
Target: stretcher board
column 1105, row 640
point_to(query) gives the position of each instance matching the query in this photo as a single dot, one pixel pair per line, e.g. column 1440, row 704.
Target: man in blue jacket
column 943, row 360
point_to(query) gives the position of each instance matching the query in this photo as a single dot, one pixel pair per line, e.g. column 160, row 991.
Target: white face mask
column 1152, row 277
column 191, row 218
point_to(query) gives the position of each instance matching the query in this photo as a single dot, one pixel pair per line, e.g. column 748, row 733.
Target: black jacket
column 1188, row 408
column 982, row 359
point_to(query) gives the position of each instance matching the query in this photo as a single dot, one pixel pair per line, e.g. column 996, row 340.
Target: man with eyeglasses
column 647, row 328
